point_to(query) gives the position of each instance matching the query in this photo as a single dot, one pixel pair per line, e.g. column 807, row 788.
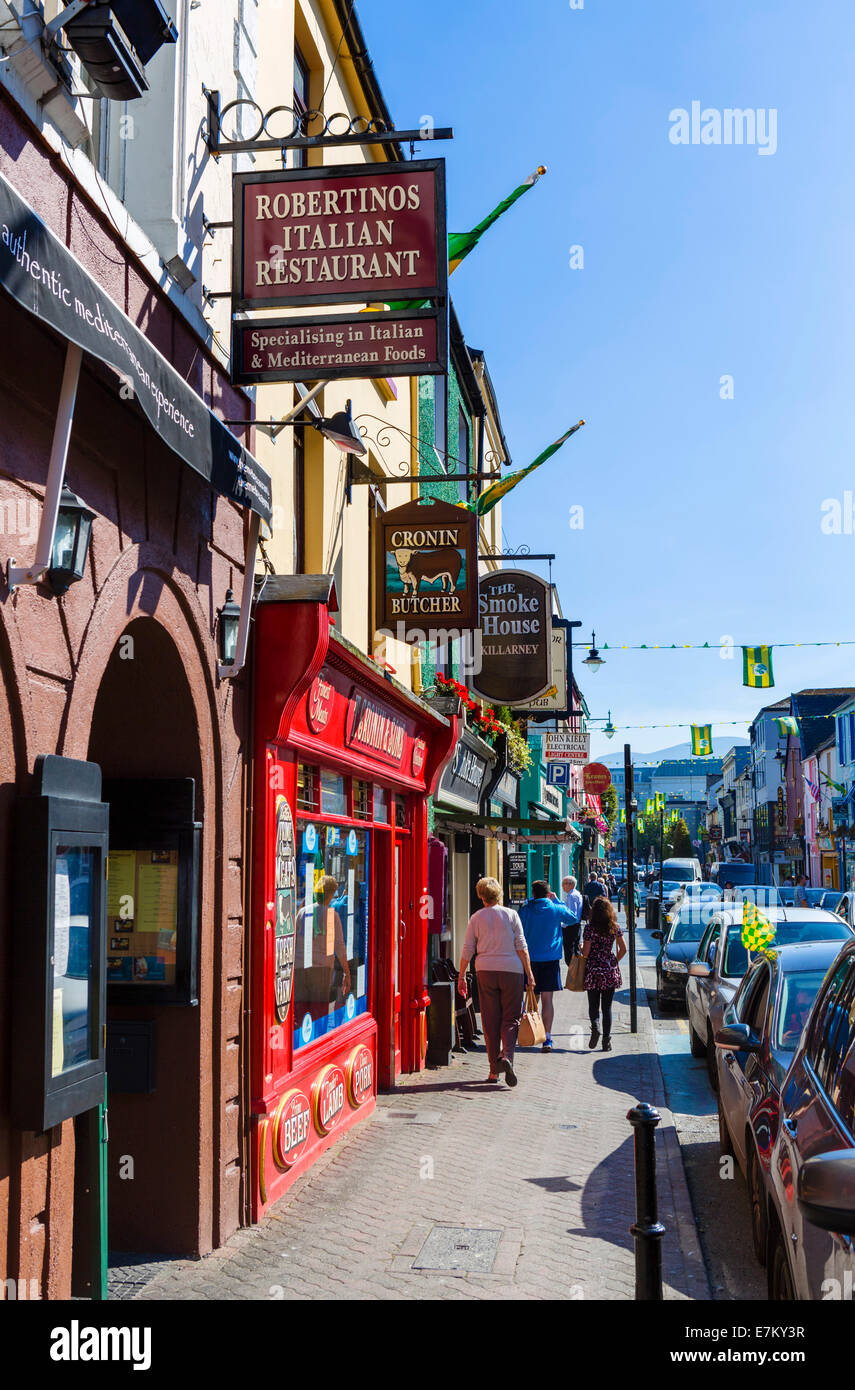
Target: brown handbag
column 576, row 974
column 531, row 1031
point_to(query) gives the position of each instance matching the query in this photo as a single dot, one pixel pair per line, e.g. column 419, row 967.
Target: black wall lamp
column 229, row 621
column 70, row 542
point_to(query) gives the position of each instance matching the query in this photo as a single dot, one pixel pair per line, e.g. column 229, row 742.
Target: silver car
column 723, row 960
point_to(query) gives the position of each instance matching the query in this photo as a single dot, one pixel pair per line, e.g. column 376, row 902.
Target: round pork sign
column 360, row 1076
column 290, row 1128
column 596, row 778
column 328, row 1099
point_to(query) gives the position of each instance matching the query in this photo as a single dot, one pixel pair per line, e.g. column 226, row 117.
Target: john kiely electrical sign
column 356, row 234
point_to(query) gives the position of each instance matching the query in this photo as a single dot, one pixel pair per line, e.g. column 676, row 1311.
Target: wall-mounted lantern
column 70, row 542
column 229, row 622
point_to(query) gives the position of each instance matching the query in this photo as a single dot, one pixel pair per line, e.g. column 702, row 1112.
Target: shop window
column 401, row 812
column 332, row 938
column 307, row 788
column 301, row 103
column 462, row 453
column 361, row 800
column 381, row 805
column 333, row 794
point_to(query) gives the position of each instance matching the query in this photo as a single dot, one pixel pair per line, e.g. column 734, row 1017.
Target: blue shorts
column 547, row 975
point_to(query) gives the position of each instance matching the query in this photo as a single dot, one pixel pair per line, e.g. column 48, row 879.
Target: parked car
column 735, row 871
column 787, row 893
column 671, row 891
column 680, row 938
column 830, row 899
column 811, row 1187
column 755, row 1044
column 846, row 908
column 683, row 870
column 722, row 961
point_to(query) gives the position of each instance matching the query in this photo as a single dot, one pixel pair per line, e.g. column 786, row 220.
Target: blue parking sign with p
column 558, row 774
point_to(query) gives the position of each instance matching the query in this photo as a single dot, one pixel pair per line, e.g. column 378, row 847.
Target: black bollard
column 648, row 1229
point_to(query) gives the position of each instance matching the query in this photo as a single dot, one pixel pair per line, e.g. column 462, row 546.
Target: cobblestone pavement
column 548, row 1166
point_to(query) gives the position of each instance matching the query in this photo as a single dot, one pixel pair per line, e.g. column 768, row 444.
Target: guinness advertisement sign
column 427, row 571
column 516, row 630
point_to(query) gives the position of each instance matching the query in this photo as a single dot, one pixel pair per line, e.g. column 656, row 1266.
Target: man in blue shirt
column 573, row 901
column 543, row 923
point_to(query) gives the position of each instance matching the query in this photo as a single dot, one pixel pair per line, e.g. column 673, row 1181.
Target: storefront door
column 400, row 933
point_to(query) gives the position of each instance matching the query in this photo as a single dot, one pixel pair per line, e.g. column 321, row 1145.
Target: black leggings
column 596, row 998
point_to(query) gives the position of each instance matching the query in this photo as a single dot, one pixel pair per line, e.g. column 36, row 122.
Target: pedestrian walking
column 800, row 897
column 543, row 922
column 604, row 947
column 573, row 901
column 594, row 888
column 494, row 935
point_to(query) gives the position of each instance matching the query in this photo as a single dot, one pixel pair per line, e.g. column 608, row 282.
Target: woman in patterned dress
column 602, row 969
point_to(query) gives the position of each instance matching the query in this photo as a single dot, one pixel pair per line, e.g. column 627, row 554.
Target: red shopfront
column 344, row 762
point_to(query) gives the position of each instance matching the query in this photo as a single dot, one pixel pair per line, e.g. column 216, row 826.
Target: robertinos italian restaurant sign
column 343, row 234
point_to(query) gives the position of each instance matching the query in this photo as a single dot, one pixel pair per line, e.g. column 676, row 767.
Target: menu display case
column 153, row 892
column 59, row 1005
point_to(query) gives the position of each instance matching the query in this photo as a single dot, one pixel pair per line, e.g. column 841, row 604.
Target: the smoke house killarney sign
column 516, row 632
column 346, row 234
column 427, row 571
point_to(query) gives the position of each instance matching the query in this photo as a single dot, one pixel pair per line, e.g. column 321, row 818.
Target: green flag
column 701, row 740
column 757, row 667
column 493, row 494
column 461, row 243
column 787, row 725
column 757, row 931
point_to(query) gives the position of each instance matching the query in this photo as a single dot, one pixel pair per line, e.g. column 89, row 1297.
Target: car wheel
column 697, row 1044
column 780, row 1279
column 711, row 1071
column 757, row 1194
column 725, row 1143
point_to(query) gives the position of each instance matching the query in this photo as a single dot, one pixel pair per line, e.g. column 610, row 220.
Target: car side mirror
column 699, row 969
column 657, row 933
column 826, row 1191
column 739, row 1037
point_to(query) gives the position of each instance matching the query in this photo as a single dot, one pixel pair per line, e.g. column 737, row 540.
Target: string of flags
column 757, row 669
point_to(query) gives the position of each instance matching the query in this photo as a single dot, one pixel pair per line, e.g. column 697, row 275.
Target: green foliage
column 678, row 841
column 609, row 804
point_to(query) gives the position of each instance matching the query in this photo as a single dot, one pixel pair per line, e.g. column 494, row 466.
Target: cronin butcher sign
column 427, row 572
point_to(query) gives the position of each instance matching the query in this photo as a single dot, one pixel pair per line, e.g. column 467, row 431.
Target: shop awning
column 43, row 276
column 522, row 831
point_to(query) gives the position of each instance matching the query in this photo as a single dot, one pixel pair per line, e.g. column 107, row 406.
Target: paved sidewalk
column 532, row 1189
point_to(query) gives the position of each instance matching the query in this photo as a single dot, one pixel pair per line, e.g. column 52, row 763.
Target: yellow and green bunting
column 757, row 667
column 701, row 740
column 787, row 725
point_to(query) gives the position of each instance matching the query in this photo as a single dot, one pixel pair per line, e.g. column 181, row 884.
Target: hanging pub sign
column 427, row 572
column 555, row 703
column 516, row 634
column 371, row 234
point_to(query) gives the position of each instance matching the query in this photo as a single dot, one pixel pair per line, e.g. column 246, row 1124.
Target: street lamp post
column 631, row 808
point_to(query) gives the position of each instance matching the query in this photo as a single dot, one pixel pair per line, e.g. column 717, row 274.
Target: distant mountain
column 677, row 750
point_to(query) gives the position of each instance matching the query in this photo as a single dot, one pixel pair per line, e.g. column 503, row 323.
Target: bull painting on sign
column 427, row 570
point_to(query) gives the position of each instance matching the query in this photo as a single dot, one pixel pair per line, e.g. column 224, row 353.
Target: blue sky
column 701, row 515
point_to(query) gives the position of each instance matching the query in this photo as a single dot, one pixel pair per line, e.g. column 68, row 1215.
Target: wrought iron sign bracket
column 339, row 129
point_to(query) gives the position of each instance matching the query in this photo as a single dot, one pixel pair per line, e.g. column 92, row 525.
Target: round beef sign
column 290, row 1129
column 360, row 1076
column 328, row 1098
column 596, row 778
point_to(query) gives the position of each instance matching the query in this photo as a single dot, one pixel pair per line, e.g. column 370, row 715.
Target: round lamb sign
column 596, row 778
column 328, row 1095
